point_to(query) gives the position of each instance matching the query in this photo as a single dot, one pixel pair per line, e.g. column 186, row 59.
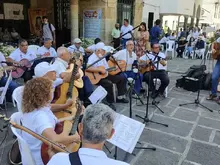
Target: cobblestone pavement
column 193, row 135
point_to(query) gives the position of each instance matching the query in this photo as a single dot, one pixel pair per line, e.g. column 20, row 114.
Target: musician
column 91, row 48
column 95, row 129
column 3, row 80
column 76, row 47
column 62, row 63
column 22, row 53
column 107, row 83
column 47, row 50
column 130, row 57
column 215, row 73
column 159, row 73
column 38, row 117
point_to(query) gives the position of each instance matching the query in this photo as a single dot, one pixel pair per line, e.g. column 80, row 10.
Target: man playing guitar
column 22, row 53
column 159, row 73
column 107, row 82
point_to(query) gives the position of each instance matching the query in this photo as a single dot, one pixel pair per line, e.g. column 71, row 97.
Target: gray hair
column 97, row 123
column 61, row 50
column 129, row 41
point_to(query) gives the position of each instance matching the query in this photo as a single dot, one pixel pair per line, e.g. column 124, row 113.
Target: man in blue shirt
column 155, row 32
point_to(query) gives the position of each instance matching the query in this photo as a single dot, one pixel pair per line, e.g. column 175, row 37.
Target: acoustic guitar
column 122, row 65
column 96, row 77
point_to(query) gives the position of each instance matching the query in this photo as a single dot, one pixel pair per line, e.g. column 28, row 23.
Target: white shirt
column 37, row 121
column 42, row 50
column 94, row 58
column 60, row 66
column 92, row 47
column 195, row 35
column 87, row 157
column 163, row 40
column 73, row 49
column 124, row 55
column 2, row 59
column 154, row 60
column 17, row 55
column 125, row 29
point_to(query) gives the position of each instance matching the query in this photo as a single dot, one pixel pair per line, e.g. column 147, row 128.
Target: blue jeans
column 215, row 77
column 12, row 86
column 138, row 79
column 124, row 42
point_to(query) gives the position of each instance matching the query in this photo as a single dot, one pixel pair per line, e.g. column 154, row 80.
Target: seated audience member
column 47, row 50
column 107, row 82
column 172, row 37
column 200, row 47
column 3, row 80
column 76, row 47
column 181, row 47
column 164, row 40
column 91, row 49
column 161, row 73
column 96, row 127
column 15, row 35
column 22, row 52
column 190, row 46
column 130, row 57
column 62, row 63
column 38, row 117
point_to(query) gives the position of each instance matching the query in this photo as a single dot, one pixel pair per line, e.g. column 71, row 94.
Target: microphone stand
column 146, row 118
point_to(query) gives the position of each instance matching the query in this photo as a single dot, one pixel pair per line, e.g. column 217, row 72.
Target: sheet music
column 98, row 95
column 127, row 133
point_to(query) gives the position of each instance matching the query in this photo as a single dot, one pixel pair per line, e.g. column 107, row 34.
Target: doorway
column 125, row 11
column 150, row 20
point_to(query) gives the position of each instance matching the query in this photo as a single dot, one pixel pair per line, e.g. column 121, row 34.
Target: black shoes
column 122, row 100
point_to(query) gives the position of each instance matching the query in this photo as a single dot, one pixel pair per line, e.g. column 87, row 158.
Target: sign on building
column 92, row 23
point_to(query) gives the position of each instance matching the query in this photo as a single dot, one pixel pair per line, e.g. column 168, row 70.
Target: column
column 185, row 21
column 74, row 11
column 192, row 21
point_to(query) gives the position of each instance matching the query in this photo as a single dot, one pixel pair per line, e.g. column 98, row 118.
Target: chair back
column 170, row 45
column 23, row 146
column 33, row 48
column 4, row 89
column 17, row 97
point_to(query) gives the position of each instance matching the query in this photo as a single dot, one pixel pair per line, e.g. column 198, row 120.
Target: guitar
column 96, row 77
column 122, row 65
column 59, row 130
column 23, row 65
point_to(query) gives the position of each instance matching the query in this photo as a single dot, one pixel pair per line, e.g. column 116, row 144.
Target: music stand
column 154, row 103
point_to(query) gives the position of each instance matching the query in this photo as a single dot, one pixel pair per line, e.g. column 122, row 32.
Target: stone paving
column 193, row 135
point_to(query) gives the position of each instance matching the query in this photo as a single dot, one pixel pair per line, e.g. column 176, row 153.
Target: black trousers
column 108, row 82
column 180, row 51
column 162, row 75
column 117, row 42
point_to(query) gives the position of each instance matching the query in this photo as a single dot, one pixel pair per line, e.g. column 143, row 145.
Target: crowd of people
column 49, row 72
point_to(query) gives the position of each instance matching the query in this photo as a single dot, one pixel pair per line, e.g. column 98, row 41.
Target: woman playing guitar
column 38, row 117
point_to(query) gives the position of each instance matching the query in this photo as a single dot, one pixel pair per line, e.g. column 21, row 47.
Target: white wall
column 177, row 7
column 151, row 6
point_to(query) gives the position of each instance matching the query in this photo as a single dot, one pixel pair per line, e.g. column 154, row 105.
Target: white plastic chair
column 3, row 91
column 170, row 47
column 209, row 52
column 33, row 48
column 23, row 146
column 17, row 98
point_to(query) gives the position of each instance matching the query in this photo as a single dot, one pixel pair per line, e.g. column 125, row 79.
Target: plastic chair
column 170, row 47
column 3, row 91
column 17, row 97
column 23, row 146
column 33, row 48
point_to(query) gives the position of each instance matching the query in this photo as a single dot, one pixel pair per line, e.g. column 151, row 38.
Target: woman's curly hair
column 36, row 94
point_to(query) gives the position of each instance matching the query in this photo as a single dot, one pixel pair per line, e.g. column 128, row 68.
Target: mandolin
column 122, row 65
column 96, row 77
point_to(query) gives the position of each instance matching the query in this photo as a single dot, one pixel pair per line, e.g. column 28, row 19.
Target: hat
column 43, row 68
column 77, row 41
column 102, row 46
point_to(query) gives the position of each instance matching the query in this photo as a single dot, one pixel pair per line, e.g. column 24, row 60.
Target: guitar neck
column 71, row 84
column 39, row 137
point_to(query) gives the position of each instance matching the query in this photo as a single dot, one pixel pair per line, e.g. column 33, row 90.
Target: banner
column 92, row 23
column 13, row 11
column 35, row 20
